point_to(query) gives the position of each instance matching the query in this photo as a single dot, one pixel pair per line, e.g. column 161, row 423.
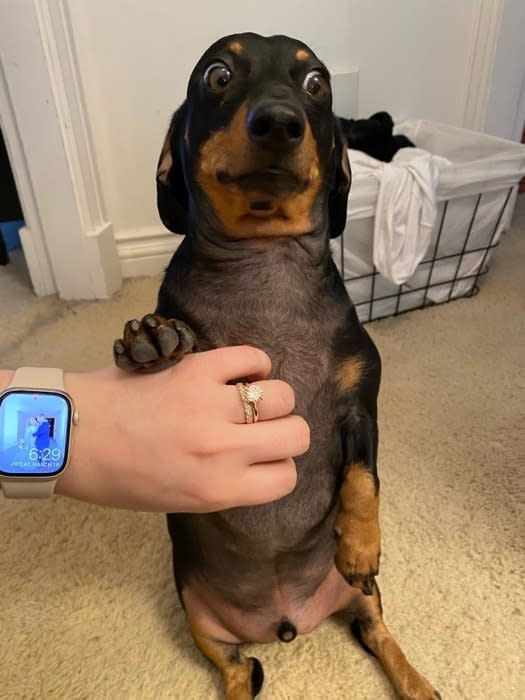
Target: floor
column 88, row 607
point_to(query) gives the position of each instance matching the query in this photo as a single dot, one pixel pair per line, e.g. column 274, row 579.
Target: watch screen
column 34, row 433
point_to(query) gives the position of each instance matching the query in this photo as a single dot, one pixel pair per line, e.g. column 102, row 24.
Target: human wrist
column 6, row 375
column 90, row 448
column 103, row 462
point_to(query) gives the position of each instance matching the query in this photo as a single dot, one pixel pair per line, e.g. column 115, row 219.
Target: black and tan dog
column 255, row 173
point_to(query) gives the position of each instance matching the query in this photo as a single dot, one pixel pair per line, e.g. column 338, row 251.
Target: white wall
column 505, row 110
column 135, row 57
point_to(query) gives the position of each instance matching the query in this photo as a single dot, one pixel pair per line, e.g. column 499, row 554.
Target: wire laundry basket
column 451, row 269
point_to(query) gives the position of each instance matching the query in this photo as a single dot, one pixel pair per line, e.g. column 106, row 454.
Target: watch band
column 33, row 378
column 38, row 378
column 23, row 488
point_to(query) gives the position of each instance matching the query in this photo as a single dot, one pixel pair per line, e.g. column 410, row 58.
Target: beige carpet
column 87, row 606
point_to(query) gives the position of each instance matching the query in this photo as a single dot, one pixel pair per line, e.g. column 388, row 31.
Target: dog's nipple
column 286, row 631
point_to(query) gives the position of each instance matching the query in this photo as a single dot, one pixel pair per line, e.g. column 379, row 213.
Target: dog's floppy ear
column 172, row 193
column 342, row 179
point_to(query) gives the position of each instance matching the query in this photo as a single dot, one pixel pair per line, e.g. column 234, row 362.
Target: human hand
column 177, row 440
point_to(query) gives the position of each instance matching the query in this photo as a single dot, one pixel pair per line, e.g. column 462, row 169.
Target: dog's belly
column 218, row 619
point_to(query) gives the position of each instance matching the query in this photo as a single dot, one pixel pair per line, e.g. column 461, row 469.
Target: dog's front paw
column 358, row 551
column 153, row 344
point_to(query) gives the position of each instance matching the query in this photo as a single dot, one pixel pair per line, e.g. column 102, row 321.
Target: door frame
column 67, row 241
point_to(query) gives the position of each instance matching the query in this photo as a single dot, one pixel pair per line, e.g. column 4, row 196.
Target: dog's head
column 256, row 144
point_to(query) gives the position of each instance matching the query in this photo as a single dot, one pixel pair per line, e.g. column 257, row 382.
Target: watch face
column 34, row 433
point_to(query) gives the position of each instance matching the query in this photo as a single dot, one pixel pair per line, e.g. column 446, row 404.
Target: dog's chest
column 289, row 311
column 272, row 304
column 294, row 343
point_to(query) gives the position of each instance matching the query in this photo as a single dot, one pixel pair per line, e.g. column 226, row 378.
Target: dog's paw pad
column 150, row 321
column 153, row 344
column 143, row 351
column 121, row 357
column 187, row 340
column 168, row 340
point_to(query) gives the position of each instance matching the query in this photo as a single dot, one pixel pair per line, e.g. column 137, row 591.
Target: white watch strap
column 33, row 378
column 38, row 378
column 28, row 489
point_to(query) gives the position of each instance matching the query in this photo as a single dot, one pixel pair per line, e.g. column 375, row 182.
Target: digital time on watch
column 36, row 419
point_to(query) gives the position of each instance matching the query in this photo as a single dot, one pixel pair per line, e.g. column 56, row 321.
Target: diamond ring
column 250, row 394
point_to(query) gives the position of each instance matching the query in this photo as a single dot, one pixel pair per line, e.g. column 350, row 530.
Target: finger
column 265, row 482
column 278, row 400
column 234, row 363
column 267, row 441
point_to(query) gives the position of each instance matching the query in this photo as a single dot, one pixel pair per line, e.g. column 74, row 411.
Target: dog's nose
column 276, row 124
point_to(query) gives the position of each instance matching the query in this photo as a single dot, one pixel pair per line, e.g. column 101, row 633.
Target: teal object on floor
column 9, row 232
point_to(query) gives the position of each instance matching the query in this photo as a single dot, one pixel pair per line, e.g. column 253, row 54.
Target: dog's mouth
column 273, row 181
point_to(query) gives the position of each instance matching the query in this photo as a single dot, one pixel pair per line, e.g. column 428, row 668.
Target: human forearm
column 98, row 470
column 5, row 377
column 177, row 440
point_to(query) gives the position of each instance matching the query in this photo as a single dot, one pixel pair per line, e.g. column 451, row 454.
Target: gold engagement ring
column 250, row 395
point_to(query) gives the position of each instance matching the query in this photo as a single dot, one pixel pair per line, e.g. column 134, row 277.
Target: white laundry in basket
column 472, row 225
column 405, row 210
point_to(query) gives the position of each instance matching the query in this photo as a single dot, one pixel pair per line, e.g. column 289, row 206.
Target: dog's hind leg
column 242, row 677
column 368, row 626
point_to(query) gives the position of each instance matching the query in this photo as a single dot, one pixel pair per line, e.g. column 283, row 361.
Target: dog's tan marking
column 236, row 47
column 230, row 150
column 350, row 372
column 357, row 527
column 409, row 684
column 236, row 672
column 302, row 55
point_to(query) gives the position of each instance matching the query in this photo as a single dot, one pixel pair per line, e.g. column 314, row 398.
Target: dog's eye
column 316, row 85
column 217, row 76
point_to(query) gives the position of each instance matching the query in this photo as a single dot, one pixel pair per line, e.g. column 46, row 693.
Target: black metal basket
column 420, row 291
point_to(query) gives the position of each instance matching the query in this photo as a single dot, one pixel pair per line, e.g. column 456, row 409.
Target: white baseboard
column 145, row 252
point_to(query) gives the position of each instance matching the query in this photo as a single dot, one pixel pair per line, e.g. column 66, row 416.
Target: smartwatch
column 36, row 419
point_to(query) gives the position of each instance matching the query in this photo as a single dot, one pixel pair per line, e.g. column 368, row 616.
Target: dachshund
column 254, row 172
